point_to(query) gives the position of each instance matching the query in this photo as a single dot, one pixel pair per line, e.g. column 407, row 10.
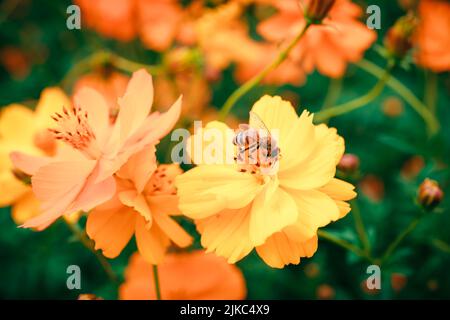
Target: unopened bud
column 398, row 40
column 349, row 163
column 317, row 10
column 88, row 296
column 430, row 194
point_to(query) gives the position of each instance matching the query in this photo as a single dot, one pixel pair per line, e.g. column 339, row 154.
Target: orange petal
column 111, row 230
column 153, row 243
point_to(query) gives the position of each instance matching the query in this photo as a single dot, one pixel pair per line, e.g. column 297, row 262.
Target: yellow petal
column 208, row 189
column 25, row 208
column 52, row 100
column 212, row 144
column 17, row 124
column 227, row 234
column 272, row 210
column 11, row 188
column 339, row 190
column 278, row 115
column 300, row 143
column 319, row 167
column 316, row 209
column 279, row 250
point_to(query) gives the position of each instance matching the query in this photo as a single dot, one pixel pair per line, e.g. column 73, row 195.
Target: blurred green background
column 33, row 265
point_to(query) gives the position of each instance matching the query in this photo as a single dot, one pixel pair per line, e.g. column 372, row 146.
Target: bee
column 256, row 146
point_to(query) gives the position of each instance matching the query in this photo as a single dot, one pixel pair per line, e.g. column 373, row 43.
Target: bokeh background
column 395, row 152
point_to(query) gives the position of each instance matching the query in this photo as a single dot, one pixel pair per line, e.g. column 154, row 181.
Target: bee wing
column 258, row 123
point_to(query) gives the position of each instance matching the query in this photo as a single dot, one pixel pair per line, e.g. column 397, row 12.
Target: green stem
column 410, row 228
column 100, row 58
column 431, row 85
column 82, row 237
column 405, row 93
column 250, row 84
column 342, row 243
column 441, row 245
column 156, row 281
column 334, row 90
column 360, row 229
column 359, row 102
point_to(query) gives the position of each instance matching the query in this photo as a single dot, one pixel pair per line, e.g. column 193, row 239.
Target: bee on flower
column 277, row 213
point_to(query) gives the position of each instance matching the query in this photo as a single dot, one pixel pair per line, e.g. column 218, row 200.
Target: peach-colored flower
column 184, row 276
column 432, row 37
column 327, row 48
column 144, row 200
column 81, row 176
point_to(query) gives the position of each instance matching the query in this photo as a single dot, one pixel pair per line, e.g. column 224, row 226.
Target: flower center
column 74, row 129
column 162, row 181
column 259, row 158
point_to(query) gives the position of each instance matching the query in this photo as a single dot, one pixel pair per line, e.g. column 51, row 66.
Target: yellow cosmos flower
column 278, row 214
column 25, row 130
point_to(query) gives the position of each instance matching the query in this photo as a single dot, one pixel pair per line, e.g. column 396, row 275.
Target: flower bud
column 398, row 40
column 88, row 296
column 317, row 10
column 349, row 163
column 430, row 194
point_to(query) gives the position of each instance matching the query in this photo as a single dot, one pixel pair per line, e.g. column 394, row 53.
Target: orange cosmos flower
column 144, row 200
column 237, row 210
column 329, row 47
column 159, row 23
column 111, row 18
column 25, row 130
column 432, row 37
column 81, row 177
column 184, row 276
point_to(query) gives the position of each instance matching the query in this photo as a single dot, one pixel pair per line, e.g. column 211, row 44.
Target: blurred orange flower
column 237, row 210
column 144, row 200
column 329, row 47
column 158, row 23
column 184, row 276
column 112, row 18
column 15, row 61
column 433, row 37
column 81, row 176
column 24, row 130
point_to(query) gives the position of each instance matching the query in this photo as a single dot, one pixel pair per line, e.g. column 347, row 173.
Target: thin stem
column 82, row 237
column 441, row 245
column 342, row 243
column 250, row 84
column 100, row 58
column 360, row 229
column 334, row 90
column 405, row 93
column 359, row 102
column 410, row 228
column 156, row 281
column 431, row 85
